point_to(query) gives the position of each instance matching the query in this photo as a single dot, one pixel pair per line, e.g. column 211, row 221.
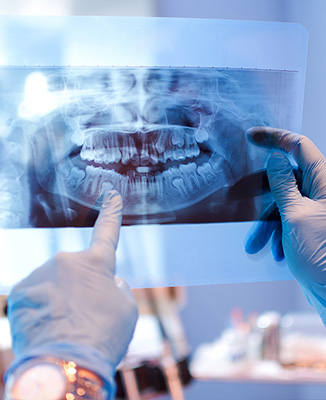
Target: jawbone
column 165, row 139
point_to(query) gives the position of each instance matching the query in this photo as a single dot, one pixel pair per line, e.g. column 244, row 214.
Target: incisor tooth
column 159, row 184
column 122, row 185
column 144, row 155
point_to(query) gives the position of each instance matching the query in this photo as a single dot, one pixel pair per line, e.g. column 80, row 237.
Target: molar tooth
column 116, row 154
column 99, row 155
column 78, row 137
column 177, row 137
column 189, row 173
column 109, row 156
column 87, row 151
column 111, row 147
column 179, row 184
column 105, row 187
column 217, row 162
column 168, row 154
column 75, row 177
column 92, row 179
column 86, row 154
column 111, row 176
column 135, row 160
column 191, row 146
column 179, row 154
column 175, row 154
column 206, row 172
column 64, row 168
column 201, row 134
column 129, row 152
column 169, row 175
column 88, row 141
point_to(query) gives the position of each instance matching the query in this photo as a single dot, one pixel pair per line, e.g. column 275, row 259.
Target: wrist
column 55, row 379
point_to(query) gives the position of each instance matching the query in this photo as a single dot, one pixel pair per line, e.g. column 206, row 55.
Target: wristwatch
column 50, row 378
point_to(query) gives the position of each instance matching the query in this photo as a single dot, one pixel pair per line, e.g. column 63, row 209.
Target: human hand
column 301, row 234
column 72, row 308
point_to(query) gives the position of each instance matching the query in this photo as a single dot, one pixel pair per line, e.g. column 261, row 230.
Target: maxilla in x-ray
column 170, row 140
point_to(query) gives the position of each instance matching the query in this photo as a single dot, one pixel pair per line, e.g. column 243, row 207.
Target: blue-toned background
column 208, row 307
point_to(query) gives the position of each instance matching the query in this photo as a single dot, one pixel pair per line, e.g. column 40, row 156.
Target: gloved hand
column 72, row 308
column 302, row 231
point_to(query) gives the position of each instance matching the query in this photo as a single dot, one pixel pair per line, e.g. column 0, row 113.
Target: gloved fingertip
column 276, row 244
column 252, row 242
column 258, row 235
column 256, row 135
column 277, row 252
column 112, row 198
column 249, row 244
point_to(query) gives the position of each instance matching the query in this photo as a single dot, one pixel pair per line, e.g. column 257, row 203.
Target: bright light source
column 38, row 101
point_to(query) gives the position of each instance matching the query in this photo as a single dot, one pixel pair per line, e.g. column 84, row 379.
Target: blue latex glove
column 301, row 234
column 73, row 309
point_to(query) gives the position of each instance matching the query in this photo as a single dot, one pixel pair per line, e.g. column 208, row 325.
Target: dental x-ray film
column 156, row 109
column 170, row 140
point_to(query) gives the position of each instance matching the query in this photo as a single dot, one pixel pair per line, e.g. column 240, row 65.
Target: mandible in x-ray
column 170, row 140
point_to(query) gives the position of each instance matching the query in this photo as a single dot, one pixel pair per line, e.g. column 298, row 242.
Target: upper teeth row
column 173, row 144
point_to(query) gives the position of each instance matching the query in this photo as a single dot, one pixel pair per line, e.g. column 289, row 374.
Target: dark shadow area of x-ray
column 170, row 140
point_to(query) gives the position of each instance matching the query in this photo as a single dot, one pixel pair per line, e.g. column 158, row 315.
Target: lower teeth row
column 185, row 179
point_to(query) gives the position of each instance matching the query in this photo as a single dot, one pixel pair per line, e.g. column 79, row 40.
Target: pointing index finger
column 107, row 227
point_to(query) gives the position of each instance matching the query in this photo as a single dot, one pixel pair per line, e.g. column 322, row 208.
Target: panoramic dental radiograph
column 170, row 140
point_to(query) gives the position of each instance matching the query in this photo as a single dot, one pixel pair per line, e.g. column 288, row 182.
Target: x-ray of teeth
column 170, row 140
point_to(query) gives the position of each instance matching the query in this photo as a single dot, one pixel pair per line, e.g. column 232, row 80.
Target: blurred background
column 242, row 324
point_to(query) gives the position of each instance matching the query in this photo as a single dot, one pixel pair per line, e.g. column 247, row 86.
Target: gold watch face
column 43, row 381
